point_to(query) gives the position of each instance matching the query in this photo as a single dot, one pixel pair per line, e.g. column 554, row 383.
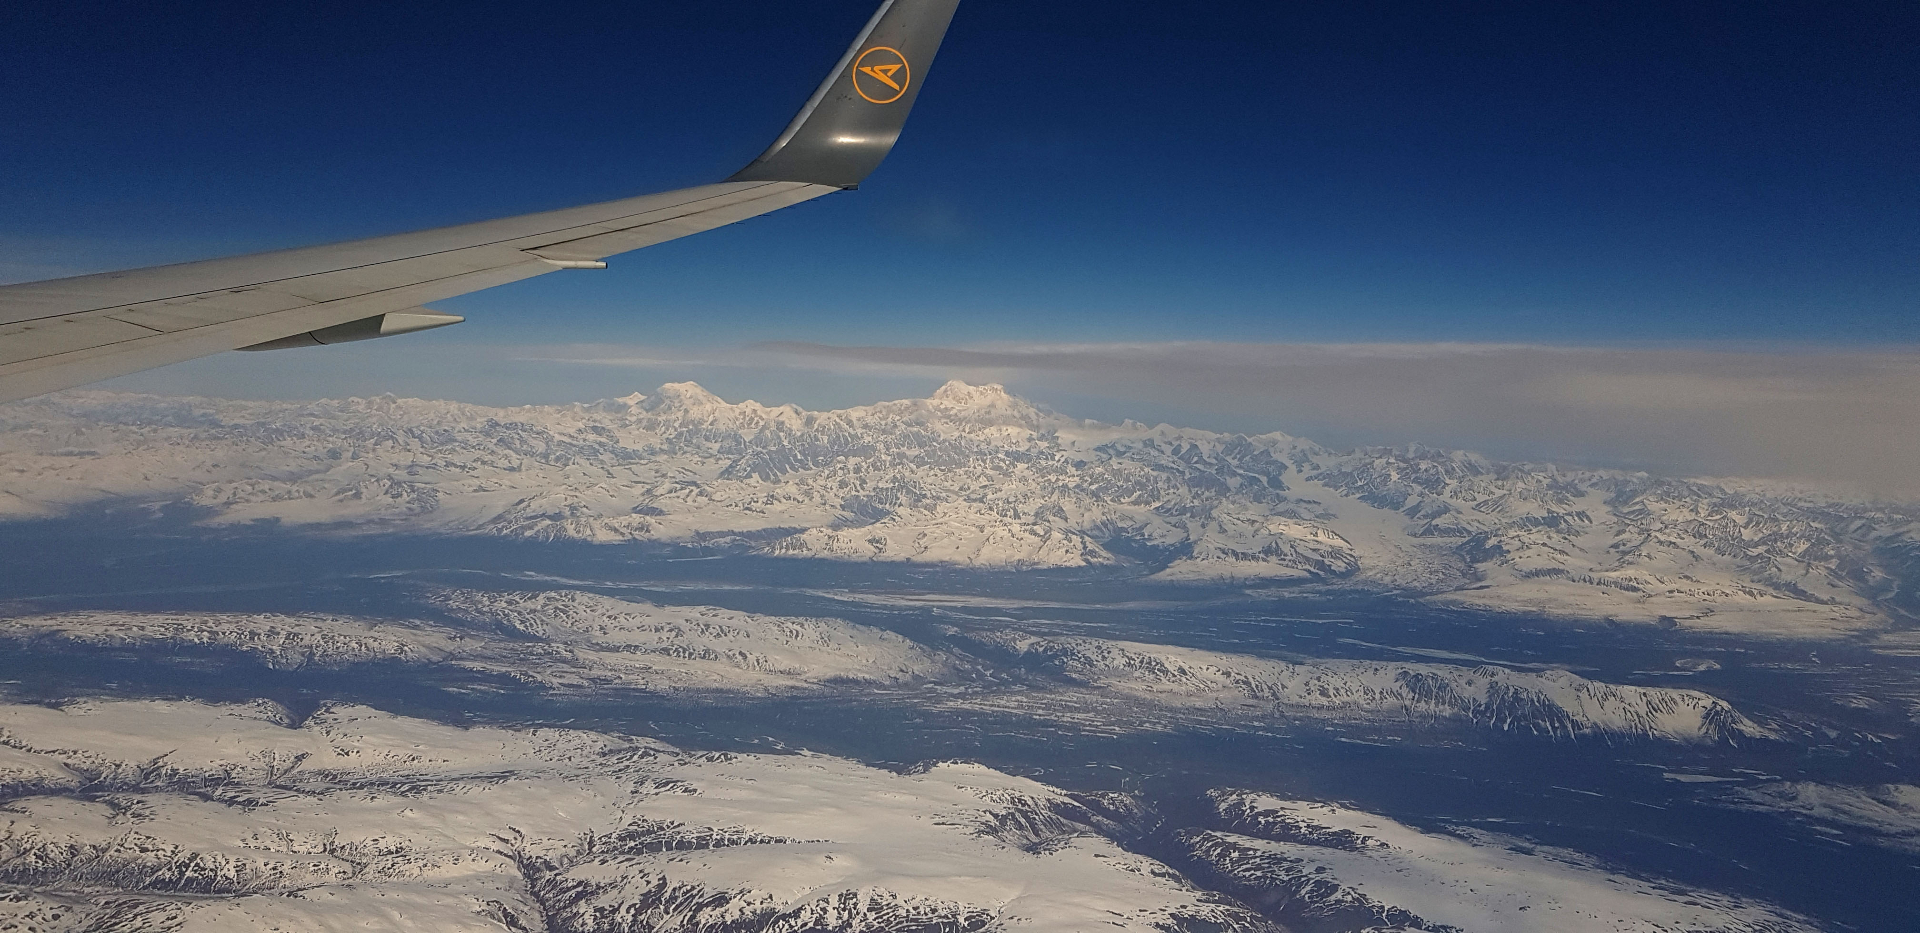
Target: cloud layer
column 1847, row 417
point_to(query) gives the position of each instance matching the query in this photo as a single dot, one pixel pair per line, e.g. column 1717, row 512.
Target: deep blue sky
column 1075, row 171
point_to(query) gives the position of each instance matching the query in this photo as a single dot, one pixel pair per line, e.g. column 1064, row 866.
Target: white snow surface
column 556, row 639
column 975, row 477
column 196, row 817
column 1334, row 861
column 574, row 641
column 1555, row 704
column 1887, row 815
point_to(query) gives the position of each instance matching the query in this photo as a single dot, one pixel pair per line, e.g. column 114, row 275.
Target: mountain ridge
column 977, row 477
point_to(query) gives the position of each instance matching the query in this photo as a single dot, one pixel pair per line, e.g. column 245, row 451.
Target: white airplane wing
column 67, row 332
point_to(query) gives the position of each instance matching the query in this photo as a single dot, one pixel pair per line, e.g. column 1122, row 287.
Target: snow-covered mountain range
column 1323, row 866
column 562, row 640
column 186, row 816
column 571, row 642
column 974, row 477
column 1166, row 681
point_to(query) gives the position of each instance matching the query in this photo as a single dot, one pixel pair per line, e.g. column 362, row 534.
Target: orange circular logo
column 881, row 74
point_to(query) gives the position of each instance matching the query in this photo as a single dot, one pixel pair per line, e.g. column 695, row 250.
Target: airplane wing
column 66, row 332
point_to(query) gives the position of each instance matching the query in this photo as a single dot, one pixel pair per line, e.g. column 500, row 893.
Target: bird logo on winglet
column 881, row 75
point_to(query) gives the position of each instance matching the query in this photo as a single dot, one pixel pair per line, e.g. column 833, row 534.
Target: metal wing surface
column 67, row 332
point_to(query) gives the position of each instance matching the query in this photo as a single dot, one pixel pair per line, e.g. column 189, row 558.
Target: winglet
column 852, row 121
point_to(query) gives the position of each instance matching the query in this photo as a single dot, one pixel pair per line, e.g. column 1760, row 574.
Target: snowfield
column 1171, row 681
column 166, row 815
column 183, row 816
column 556, row 640
column 1886, row 815
column 577, row 642
column 1331, row 867
column 974, row 477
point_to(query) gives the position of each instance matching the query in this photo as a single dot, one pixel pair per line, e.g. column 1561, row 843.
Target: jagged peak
column 991, row 400
column 680, row 396
column 958, row 392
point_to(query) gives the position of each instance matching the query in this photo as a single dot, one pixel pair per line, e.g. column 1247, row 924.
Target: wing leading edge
column 67, row 332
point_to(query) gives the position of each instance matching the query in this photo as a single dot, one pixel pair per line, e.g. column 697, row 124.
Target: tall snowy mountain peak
column 977, row 477
column 680, row 395
column 957, row 394
column 984, row 402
